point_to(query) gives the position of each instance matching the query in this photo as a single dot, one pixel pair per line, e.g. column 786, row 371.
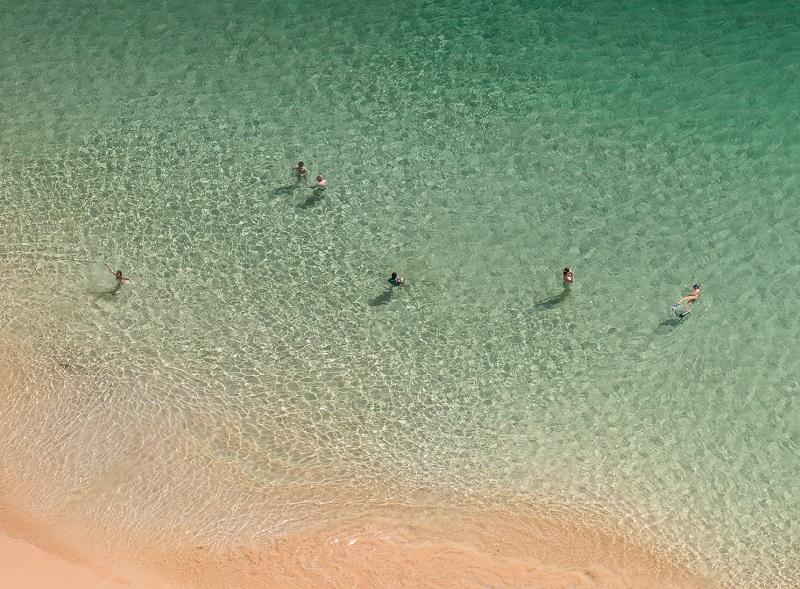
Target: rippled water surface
column 475, row 147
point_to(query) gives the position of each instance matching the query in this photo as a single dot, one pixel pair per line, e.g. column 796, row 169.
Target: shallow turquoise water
column 477, row 148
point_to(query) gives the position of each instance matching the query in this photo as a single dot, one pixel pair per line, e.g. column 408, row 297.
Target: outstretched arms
column 118, row 275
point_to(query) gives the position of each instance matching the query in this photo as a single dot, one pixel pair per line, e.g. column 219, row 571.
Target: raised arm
column 110, row 270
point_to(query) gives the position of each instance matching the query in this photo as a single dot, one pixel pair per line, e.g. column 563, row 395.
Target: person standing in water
column 321, row 185
column 396, row 280
column 120, row 279
column 568, row 276
column 300, row 171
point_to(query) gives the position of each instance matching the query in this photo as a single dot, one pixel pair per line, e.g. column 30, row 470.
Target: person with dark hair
column 300, row 171
column 120, row 279
column 396, row 280
column 684, row 304
column 692, row 296
column 568, row 276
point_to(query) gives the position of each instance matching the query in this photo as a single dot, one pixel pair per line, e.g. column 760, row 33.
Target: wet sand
column 442, row 548
column 34, row 556
column 393, row 547
column 331, row 537
column 25, row 566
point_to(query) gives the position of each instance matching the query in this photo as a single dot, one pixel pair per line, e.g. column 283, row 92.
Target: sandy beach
column 340, row 537
column 404, row 548
column 433, row 551
column 25, row 566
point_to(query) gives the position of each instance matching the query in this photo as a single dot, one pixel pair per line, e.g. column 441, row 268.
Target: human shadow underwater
column 109, row 293
column 317, row 193
column 682, row 308
column 553, row 301
column 671, row 323
column 300, row 175
column 285, row 190
column 387, row 295
column 311, row 201
column 568, row 279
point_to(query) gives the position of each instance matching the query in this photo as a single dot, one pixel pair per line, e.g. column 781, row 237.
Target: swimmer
column 692, row 296
column 683, row 310
column 120, row 279
column 568, row 275
column 300, row 171
column 321, row 185
column 396, row 280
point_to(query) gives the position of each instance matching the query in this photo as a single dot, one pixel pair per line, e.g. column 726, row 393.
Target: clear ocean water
column 475, row 147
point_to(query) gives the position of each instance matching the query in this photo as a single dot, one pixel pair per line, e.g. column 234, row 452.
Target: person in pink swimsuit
column 568, row 276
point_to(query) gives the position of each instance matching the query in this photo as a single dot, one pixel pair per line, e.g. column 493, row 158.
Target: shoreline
column 427, row 550
column 23, row 565
column 332, row 536
column 459, row 546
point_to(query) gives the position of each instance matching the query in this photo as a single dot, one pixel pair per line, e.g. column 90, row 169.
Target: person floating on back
column 321, row 185
column 568, row 276
column 684, row 304
column 396, row 280
column 120, row 279
column 692, row 296
column 300, row 171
